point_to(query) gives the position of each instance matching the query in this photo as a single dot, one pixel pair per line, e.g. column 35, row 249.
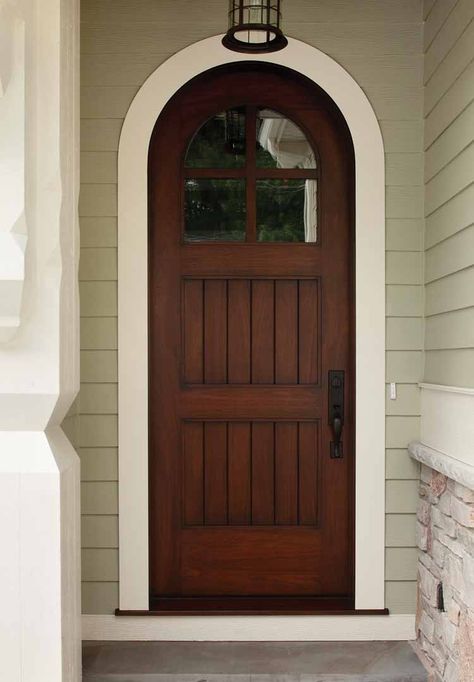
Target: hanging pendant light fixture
column 254, row 26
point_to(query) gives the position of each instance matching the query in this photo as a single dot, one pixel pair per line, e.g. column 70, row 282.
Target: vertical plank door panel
column 193, row 331
column 263, row 321
column 239, row 473
column 215, row 331
column 215, row 473
column 308, row 331
column 263, row 474
column 193, row 474
column 239, row 331
column 286, row 473
column 286, row 332
column 308, row 473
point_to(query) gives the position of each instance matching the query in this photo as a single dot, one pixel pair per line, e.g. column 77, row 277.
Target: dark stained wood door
column 248, row 511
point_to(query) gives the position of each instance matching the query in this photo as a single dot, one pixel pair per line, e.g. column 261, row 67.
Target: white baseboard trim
column 248, row 628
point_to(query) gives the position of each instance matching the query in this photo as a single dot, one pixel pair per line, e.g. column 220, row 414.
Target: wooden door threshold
column 259, row 606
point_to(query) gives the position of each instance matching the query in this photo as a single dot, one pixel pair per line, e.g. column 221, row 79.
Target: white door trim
column 133, row 310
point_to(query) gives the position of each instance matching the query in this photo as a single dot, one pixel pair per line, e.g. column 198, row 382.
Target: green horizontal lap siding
column 449, row 193
column 123, row 41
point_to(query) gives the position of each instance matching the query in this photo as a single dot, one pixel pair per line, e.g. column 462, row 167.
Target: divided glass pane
column 214, row 210
column 281, row 143
column 220, row 142
column 287, row 210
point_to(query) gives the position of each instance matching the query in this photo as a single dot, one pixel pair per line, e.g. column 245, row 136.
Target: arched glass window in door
column 251, row 175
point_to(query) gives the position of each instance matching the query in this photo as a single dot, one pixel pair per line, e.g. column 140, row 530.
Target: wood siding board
column 99, row 532
column 449, row 144
column 100, row 598
column 99, row 564
column 401, row 430
column 450, row 330
column 451, row 104
column 438, row 15
column 453, row 292
column 450, row 255
column 401, row 497
column 120, row 11
column 454, row 216
column 407, row 402
column 98, row 298
column 400, row 465
column 404, row 333
column 450, row 69
column 98, row 232
column 450, row 367
column 400, row 596
column 404, row 300
column 449, row 33
column 400, row 530
column 99, row 333
column 451, row 180
column 99, row 464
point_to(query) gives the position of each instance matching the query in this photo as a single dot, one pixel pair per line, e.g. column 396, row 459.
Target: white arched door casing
column 133, row 307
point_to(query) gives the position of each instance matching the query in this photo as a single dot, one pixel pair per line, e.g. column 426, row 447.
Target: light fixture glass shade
column 254, row 26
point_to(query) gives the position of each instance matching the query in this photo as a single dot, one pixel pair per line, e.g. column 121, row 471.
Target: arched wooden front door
column 251, row 407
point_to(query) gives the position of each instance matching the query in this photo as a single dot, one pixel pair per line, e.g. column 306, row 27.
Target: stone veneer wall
column 446, row 542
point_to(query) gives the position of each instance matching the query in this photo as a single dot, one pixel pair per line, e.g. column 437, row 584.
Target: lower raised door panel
column 250, row 473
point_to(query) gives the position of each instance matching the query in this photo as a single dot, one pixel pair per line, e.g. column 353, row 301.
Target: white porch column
column 39, row 357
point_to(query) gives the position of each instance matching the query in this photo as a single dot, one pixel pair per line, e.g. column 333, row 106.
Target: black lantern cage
column 255, row 26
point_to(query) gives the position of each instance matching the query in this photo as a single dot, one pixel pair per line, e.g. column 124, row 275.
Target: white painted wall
column 39, row 372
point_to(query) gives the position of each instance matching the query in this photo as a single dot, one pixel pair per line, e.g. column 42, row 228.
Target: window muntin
column 251, row 174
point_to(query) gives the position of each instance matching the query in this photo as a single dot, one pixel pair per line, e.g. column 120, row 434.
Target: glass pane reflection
column 281, row 143
column 220, row 142
column 214, row 210
column 287, row 210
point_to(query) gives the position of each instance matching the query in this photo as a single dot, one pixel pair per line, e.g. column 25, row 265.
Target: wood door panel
column 256, row 473
column 246, row 502
column 287, row 340
column 250, row 331
column 239, row 459
column 239, row 331
column 269, row 561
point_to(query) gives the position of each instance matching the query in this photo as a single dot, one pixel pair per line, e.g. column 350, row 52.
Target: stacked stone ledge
column 445, row 534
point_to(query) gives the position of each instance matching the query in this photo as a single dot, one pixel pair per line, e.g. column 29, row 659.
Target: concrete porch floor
column 251, row 662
